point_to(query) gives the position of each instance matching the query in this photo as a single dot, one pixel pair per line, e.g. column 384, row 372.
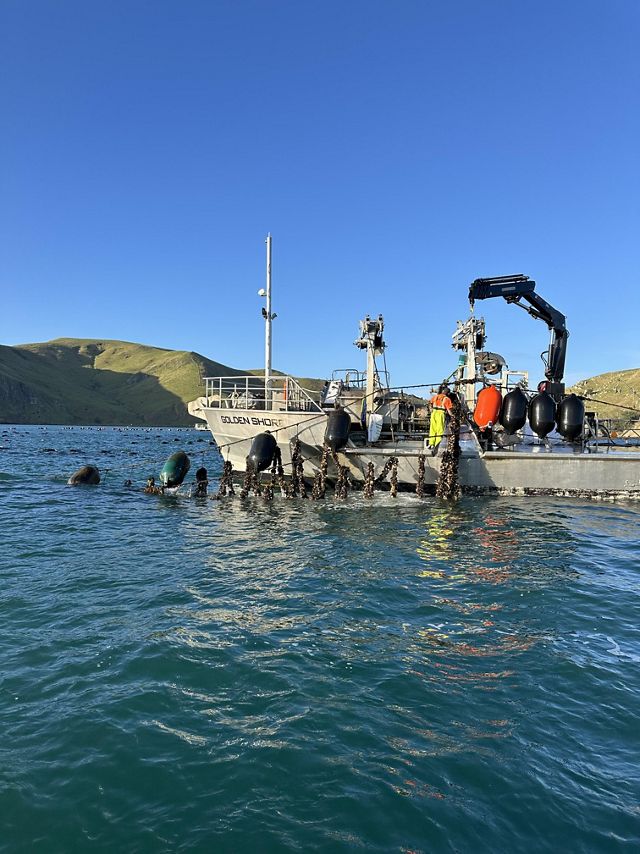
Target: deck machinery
column 516, row 288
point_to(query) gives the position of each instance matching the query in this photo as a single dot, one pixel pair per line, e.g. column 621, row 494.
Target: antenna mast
column 268, row 317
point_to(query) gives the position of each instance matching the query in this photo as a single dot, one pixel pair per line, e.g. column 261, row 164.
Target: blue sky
column 395, row 150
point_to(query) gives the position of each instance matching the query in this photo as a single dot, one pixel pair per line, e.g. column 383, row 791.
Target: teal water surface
column 391, row 676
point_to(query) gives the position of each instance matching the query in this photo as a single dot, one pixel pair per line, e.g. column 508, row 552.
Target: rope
column 608, row 403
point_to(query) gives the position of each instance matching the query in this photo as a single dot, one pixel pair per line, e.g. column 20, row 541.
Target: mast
column 372, row 341
column 268, row 317
column 469, row 339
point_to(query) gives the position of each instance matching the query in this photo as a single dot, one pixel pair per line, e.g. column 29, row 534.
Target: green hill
column 82, row 381
column 307, row 383
column 617, row 387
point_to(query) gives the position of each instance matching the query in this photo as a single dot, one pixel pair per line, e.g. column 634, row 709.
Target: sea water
column 405, row 675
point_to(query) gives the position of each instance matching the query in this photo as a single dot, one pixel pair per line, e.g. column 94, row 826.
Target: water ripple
column 385, row 676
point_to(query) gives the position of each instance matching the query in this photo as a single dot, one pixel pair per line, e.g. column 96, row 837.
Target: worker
column 440, row 405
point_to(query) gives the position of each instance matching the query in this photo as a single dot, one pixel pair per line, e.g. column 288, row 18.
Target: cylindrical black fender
column 542, row 414
column 513, row 414
column 570, row 417
column 262, row 451
column 175, row 469
column 337, row 433
column 85, row 475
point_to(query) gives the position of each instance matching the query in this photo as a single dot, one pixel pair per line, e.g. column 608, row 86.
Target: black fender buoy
column 175, row 469
column 202, row 475
column 86, row 475
column 262, row 451
column 513, row 415
column 570, row 417
column 338, row 425
column 542, row 414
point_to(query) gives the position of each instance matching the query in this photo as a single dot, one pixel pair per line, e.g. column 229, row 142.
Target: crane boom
column 516, row 288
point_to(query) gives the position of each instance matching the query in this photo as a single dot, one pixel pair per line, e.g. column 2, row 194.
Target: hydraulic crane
column 516, row 288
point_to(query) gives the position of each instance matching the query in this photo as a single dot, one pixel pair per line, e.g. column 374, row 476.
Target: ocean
column 399, row 675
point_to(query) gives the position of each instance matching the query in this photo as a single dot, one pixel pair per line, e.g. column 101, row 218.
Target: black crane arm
column 516, row 288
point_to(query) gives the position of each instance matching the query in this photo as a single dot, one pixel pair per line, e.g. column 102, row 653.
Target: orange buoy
column 487, row 407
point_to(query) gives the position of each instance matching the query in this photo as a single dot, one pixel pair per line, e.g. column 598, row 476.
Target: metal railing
column 610, row 433
column 283, row 394
column 350, row 377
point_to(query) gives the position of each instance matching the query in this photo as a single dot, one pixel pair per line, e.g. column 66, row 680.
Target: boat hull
column 235, row 429
column 607, row 476
column 584, row 475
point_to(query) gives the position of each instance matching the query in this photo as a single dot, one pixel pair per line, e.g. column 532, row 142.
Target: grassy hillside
column 82, row 381
column 307, row 383
column 619, row 387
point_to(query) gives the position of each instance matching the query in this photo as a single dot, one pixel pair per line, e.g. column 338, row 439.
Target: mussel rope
column 251, row 481
column 385, row 471
column 320, row 480
column 369, row 481
column 297, row 481
column 277, row 473
column 393, row 480
column 448, row 486
column 421, row 471
column 300, row 476
column 341, row 487
column 226, row 481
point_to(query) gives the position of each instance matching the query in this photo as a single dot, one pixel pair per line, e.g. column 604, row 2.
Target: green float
column 175, row 469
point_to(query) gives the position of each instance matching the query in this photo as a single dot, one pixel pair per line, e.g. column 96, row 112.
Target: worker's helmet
column 444, row 389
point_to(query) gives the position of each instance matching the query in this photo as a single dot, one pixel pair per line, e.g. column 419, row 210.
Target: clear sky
column 395, row 150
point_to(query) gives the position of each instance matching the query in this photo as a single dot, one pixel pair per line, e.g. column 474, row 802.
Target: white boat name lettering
column 244, row 419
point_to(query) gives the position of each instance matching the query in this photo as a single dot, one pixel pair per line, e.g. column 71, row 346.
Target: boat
column 506, row 439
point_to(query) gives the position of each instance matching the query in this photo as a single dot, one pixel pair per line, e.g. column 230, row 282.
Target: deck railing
column 284, row 394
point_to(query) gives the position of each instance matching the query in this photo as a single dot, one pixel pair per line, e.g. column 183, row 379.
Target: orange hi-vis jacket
column 441, row 401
